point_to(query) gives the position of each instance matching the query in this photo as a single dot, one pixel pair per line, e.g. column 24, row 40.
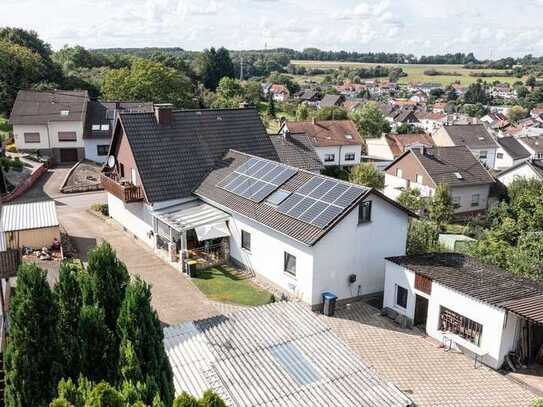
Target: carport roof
column 190, row 215
column 32, row 215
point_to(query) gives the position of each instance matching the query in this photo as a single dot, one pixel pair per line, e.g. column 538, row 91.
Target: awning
column 213, row 231
column 530, row 308
column 190, row 215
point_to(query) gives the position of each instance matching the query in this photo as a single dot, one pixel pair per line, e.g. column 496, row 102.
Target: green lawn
column 223, row 284
column 415, row 72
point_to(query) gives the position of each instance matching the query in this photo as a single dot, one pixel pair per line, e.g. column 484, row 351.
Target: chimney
column 163, row 113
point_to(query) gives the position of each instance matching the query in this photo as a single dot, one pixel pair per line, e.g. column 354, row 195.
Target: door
column 421, row 311
column 68, row 155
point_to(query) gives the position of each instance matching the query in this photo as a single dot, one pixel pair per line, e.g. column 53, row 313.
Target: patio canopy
column 192, row 215
column 213, row 231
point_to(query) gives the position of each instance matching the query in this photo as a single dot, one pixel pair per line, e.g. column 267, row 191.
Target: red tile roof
column 328, row 132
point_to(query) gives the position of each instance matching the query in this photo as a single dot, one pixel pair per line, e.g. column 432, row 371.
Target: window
column 399, row 172
column 475, row 199
column 64, row 112
column 329, row 157
column 457, row 200
column 290, row 264
column 246, row 240
column 419, row 179
column 349, row 156
column 450, row 321
column 133, row 177
column 121, row 169
column 96, row 127
column 104, row 127
column 102, row 149
column 401, row 296
column 67, row 136
column 32, row 137
column 499, row 155
column 483, row 155
column 364, row 212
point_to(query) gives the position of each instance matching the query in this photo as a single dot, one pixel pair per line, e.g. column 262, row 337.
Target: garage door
column 68, row 155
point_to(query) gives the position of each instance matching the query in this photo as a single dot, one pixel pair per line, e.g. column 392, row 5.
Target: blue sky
column 487, row 27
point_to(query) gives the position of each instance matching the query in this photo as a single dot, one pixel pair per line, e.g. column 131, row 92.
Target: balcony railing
column 124, row 190
column 9, row 263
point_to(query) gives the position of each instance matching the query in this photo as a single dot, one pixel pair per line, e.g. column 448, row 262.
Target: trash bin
column 329, row 304
column 191, row 267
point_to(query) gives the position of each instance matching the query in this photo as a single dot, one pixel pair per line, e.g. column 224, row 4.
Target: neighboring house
column 99, row 125
column 534, row 145
column 473, row 136
column 402, row 115
column 179, row 186
column 510, row 152
column 332, row 101
column 352, row 105
column 51, row 123
column 430, row 121
column 297, row 151
column 282, row 355
column 337, row 142
column 425, row 168
column 530, row 169
column 279, row 93
column 465, row 304
column 496, row 121
column 439, row 107
column 391, row 146
column 311, row 97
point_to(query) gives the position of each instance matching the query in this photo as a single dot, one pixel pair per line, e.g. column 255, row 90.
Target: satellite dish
column 111, row 161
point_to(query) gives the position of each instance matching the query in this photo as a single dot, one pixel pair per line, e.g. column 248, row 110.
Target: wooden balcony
column 9, row 263
column 124, row 190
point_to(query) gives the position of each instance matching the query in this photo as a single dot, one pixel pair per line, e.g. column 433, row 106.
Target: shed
column 32, row 224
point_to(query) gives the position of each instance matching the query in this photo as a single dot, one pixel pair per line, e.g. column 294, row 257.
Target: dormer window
column 349, row 136
column 96, row 127
column 64, row 112
column 104, row 127
column 458, row 175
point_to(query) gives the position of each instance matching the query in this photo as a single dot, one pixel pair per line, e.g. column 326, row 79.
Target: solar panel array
column 256, row 179
column 319, row 201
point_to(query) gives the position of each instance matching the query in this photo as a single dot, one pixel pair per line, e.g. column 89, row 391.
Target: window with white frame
column 104, row 127
column 399, row 172
column 483, row 155
column 290, row 264
column 96, row 127
column 475, row 199
column 364, row 212
column 419, row 179
column 329, row 157
column 31, row 138
column 499, row 156
column 349, row 156
column 246, row 240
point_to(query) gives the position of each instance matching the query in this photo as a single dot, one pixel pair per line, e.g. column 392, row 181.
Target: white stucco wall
column 266, row 257
column 56, row 127
column 18, row 134
column 524, row 171
column 378, row 147
column 490, row 161
column 505, row 162
column 48, row 135
column 498, row 334
column 91, row 152
column 339, row 151
column 134, row 217
column 351, row 248
column 465, row 194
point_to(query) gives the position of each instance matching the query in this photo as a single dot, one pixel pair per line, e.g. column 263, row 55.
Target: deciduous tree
column 371, row 121
column 367, row 175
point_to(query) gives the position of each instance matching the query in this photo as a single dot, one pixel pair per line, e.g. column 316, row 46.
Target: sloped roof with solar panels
column 297, row 203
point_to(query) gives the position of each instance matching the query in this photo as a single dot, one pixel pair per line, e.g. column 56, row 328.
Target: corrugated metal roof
column 190, row 215
column 279, row 354
column 530, row 308
column 32, row 215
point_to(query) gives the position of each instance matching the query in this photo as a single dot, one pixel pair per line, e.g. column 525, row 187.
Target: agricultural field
column 415, row 73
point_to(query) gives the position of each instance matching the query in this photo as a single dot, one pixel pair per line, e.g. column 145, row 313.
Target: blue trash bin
column 329, row 304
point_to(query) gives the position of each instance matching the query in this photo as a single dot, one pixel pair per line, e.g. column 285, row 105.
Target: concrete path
column 175, row 298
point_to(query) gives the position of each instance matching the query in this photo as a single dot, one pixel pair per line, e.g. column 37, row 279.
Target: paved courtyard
column 417, row 366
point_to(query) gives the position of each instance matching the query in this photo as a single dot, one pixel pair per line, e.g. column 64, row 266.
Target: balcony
column 122, row 189
column 9, row 263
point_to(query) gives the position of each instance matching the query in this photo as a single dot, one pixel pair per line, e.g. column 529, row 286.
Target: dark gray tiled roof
column 512, row 147
column 32, row 107
column 262, row 212
column 332, row 100
column 534, row 142
column 470, row 135
column 297, row 151
column 99, row 112
column 470, row 277
column 173, row 159
column 442, row 163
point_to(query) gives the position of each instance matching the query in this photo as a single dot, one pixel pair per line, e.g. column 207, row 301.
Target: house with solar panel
column 208, row 185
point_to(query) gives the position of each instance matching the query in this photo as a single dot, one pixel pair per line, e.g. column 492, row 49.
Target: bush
column 102, row 208
column 11, row 148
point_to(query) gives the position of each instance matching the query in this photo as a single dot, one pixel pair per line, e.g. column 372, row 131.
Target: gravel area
column 85, row 176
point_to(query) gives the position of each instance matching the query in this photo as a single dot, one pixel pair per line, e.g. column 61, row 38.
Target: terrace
column 121, row 188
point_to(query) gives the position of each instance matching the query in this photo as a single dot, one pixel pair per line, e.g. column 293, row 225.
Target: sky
column 489, row 28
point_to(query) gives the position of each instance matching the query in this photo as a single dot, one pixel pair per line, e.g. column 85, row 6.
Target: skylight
column 349, row 136
column 277, row 197
column 458, row 175
column 64, row 112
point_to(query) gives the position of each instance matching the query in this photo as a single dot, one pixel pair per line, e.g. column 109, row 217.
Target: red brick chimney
column 163, row 113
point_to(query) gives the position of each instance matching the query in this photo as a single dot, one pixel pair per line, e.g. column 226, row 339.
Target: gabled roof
column 443, row 163
column 483, row 282
column 535, row 165
column 398, row 143
column 33, row 107
column 470, row 135
column 431, row 116
column 324, row 133
column 513, row 148
column 309, row 95
column 275, row 88
column 99, row 112
column 173, row 159
column 297, row 151
column 332, row 100
column 278, row 354
column 534, row 142
column 266, row 214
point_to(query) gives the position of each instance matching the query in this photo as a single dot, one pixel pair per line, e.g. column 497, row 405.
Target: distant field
column 415, row 73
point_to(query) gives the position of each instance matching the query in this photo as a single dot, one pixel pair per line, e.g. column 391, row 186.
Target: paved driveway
column 416, row 364
column 175, row 298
